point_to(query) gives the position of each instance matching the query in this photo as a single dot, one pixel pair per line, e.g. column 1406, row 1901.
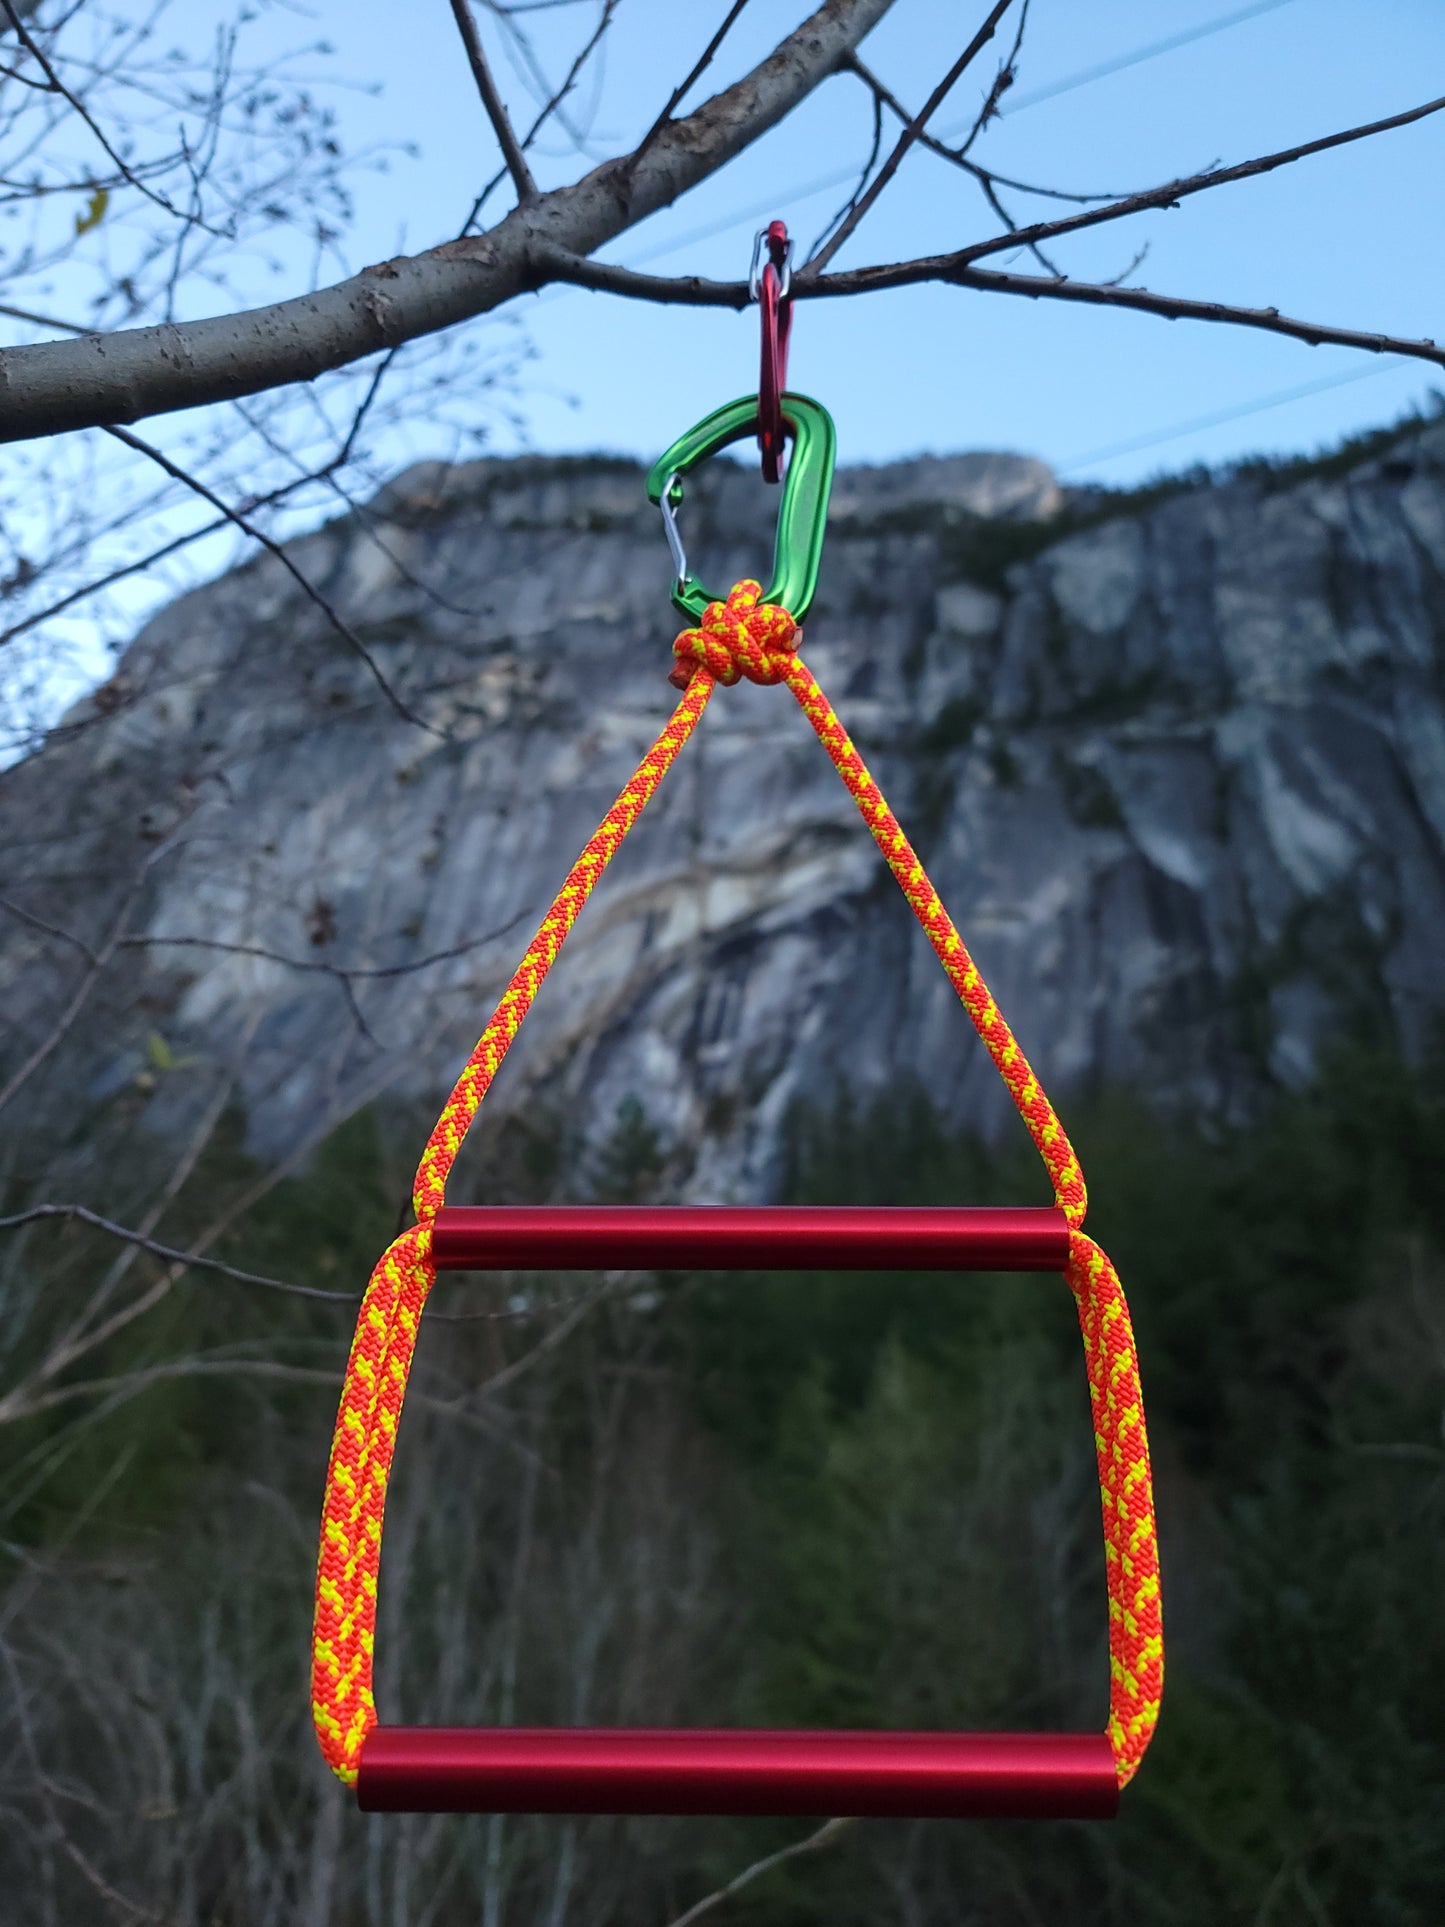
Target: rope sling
column 757, row 638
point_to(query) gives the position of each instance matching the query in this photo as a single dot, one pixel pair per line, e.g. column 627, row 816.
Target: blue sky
column 1117, row 95
column 1350, row 237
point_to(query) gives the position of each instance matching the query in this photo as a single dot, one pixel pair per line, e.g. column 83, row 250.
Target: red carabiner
column 769, row 284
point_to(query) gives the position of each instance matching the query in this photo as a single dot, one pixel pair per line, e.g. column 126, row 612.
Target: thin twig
column 195, row 1261
column 47, row 929
column 269, row 500
column 681, row 91
column 317, row 965
column 130, row 1384
column 1174, row 191
column 812, row 1843
column 83, row 1334
column 502, row 127
column 1144, row 301
column 43, row 320
column 96, row 963
column 988, row 182
column 909, row 136
column 1002, row 81
column 56, row 85
column 874, row 146
column 247, row 527
column 559, row 1334
column 548, row 108
column 895, row 106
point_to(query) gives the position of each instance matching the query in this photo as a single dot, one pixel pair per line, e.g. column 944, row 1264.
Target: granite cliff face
column 1177, row 767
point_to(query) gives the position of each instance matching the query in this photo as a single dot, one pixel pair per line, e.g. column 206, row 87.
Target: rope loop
column 742, row 637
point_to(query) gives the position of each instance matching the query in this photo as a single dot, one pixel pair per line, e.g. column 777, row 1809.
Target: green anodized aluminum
column 802, row 513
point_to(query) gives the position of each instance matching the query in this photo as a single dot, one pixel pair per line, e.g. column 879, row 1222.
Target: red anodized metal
column 776, row 310
column 749, row 1238
column 1006, row 1776
column 444, row 1769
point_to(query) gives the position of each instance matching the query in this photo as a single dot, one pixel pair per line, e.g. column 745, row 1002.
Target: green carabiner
column 802, row 513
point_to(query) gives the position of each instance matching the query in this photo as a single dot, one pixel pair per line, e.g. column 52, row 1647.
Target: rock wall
column 1177, row 766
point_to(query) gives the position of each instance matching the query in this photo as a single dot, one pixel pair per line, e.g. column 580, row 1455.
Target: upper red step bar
column 625, row 1237
column 1004, row 1776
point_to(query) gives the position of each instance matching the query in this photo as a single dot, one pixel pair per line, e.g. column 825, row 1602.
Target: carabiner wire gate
column 780, row 250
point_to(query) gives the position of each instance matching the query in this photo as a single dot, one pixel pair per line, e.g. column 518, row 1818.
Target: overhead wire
column 1391, row 365
column 1015, row 104
column 1010, row 106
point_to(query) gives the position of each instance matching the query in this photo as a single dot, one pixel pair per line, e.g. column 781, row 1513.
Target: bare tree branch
column 344, row 978
column 988, row 181
column 574, row 1304
column 497, row 114
column 191, row 1261
column 987, row 178
column 140, row 564
column 693, row 291
column 1174, row 191
column 272, row 547
column 371, row 972
column 909, row 136
column 95, row 380
column 699, row 68
column 42, row 320
column 1102, row 294
column 55, row 85
column 96, row 963
column 548, row 108
column 1002, row 81
column 98, row 381
column 811, row 1843
column 47, row 929
column 870, row 162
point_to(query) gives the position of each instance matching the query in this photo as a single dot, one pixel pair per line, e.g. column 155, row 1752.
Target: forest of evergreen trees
column 845, row 1500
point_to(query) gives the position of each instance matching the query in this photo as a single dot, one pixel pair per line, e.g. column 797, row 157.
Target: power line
column 1217, row 420
column 730, row 221
column 1015, row 103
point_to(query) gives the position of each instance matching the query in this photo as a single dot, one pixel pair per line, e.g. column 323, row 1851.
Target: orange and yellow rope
column 741, row 637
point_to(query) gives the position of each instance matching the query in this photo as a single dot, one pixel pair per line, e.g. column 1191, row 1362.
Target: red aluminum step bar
column 626, row 1237
column 444, row 1769
column 1000, row 1776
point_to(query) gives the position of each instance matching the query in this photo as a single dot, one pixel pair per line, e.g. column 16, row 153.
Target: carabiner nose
column 802, row 512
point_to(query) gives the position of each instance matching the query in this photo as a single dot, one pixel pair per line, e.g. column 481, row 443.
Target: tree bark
column 97, row 380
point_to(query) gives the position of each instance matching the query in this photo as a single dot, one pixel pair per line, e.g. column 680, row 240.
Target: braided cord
column 1131, row 1553
column 742, row 637
column 376, row 1373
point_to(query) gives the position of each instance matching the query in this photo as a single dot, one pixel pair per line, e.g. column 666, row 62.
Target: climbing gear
column 802, row 512
column 709, row 1770
column 770, row 284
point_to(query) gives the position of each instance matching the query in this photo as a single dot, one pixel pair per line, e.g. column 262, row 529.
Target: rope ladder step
column 949, row 1776
column 420, row 1769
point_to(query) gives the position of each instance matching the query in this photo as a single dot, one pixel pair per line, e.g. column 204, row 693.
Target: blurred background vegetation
column 841, row 1499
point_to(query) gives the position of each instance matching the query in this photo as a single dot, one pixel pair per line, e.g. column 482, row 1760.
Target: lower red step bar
column 625, row 1237
column 1001, row 1776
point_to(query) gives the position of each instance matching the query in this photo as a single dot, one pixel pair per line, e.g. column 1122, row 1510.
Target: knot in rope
column 743, row 636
